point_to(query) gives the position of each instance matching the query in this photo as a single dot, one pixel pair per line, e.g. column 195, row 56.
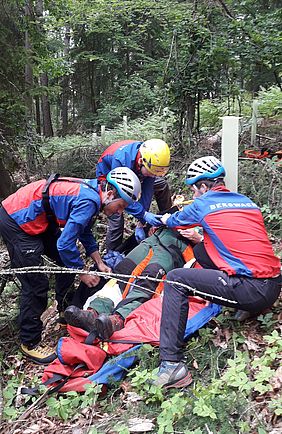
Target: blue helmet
column 204, row 168
column 126, row 183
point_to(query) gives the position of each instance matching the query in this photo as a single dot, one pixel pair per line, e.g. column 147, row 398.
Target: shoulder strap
column 52, row 220
column 55, row 177
column 57, row 378
column 93, row 336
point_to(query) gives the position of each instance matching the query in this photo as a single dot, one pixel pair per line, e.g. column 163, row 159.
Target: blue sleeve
column 78, row 227
column 138, row 209
column 188, row 217
column 123, row 157
column 108, row 163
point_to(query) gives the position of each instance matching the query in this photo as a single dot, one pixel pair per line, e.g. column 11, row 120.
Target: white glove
column 164, row 218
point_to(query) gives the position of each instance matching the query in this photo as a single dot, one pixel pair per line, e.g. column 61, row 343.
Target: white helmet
column 126, row 182
column 204, row 168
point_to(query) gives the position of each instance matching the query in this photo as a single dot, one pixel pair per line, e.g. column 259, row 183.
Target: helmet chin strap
column 215, row 181
column 107, row 201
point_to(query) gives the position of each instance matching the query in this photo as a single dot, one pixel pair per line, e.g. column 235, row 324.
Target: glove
column 140, row 234
column 152, row 219
column 112, row 258
column 164, row 218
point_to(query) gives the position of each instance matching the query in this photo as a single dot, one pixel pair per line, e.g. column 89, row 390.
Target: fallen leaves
column 222, row 336
column 276, row 380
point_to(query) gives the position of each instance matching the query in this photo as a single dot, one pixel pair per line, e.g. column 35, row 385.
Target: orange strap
column 137, row 271
column 160, row 287
column 188, row 253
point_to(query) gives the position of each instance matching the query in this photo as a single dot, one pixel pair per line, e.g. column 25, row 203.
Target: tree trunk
column 45, row 104
column 6, row 184
column 65, row 87
column 45, row 107
column 190, row 110
column 37, row 115
column 30, row 153
column 91, row 85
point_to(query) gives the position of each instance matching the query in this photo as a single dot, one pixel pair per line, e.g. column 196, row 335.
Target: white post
column 254, row 122
column 103, row 135
column 229, row 150
column 124, row 119
column 94, row 139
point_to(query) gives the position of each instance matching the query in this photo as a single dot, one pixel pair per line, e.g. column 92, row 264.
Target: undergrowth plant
column 70, row 403
column 222, row 400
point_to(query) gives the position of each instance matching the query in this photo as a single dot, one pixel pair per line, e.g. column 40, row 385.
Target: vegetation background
column 173, row 68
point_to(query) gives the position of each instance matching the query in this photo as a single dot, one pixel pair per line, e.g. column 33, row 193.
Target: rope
column 65, row 270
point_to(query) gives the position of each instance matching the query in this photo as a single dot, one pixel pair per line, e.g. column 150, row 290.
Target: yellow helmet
column 156, row 156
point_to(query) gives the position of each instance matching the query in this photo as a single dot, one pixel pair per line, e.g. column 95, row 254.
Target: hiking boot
column 84, row 319
column 173, row 374
column 42, row 355
column 106, row 325
column 61, row 320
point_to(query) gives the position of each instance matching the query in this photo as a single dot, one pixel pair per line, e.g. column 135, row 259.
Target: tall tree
column 44, row 82
column 65, row 85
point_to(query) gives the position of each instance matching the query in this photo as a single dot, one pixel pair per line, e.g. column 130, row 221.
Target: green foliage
column 14, row 402
column 172, row 410
column 9, row 394
column 272, row 217
column 260, row 180
column 203, row 408
column 276, row 406
column 270, row 102
column 136, row 57
column 210, row 114
column 211, row 110
column 70, row 403
column 217, row 399
column 121, row 429
column 267, row 321
column 142, row 380
column 135, row 99
column 77, row 155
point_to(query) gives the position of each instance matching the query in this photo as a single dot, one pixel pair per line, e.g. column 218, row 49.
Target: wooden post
column 103, row 135
column 254, row 123
column 229, row 150
column 164, row 126
column 124, row 120
column 94, row 139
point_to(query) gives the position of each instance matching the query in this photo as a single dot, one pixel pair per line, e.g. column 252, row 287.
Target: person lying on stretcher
column 154, row 257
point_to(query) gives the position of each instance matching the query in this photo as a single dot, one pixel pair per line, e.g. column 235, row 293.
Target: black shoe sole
column 38, row 361
column 103, row 327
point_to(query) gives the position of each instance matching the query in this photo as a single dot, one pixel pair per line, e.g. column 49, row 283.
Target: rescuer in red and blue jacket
column 30, row 222
column 239, row 270
column 149, row 160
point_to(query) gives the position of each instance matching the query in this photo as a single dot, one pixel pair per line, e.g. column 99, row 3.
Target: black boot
column 84, row 319
column 106, row 325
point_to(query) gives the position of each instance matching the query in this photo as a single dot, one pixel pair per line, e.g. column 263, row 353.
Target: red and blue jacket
column 74, row 205
column 126, row 154
column 234, row 233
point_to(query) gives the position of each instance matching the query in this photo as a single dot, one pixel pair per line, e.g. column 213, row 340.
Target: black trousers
column 24, row 251
column 253, row 295
column 114, row 235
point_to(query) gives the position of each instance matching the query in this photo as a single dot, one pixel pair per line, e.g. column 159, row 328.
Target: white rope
column 65, row 270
